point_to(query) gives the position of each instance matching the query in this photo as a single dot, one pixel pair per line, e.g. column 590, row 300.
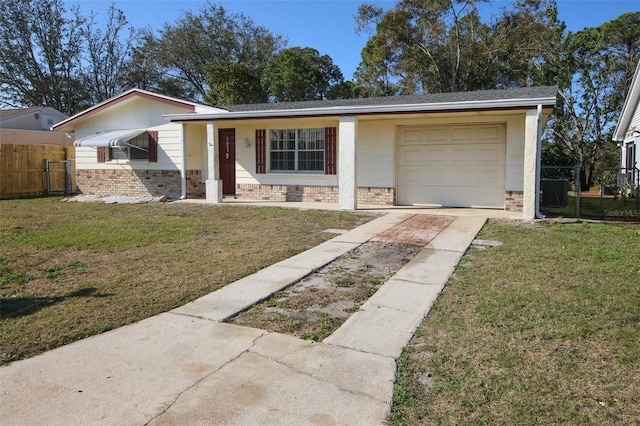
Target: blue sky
column 329, row 25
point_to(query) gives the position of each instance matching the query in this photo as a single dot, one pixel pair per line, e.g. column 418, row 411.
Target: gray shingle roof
column 5, row 114
column 435, row 98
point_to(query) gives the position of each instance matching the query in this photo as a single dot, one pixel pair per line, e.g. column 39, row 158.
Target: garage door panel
column 458, row 176
column 462, row 134
column 457, row 166
column 486, row 197
column 462, row 155
column 436, row 134
column 411, row 155
column 430, row 155
column 487, row 155
column 410, row 175
column 489, row 178
column 412, row 136
column 434, row 154
column 491, row 134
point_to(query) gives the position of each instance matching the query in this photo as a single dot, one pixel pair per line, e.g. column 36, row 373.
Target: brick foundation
column 138, row 183
column 377, row 196
column 323, row 194
column 513, row 201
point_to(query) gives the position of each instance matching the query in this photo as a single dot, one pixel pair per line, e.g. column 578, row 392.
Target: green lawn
column 71, row 270
column 542, row 330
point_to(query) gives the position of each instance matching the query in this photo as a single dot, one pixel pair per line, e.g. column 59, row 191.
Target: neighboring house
column 627, row 131
column 36, row 118
column 470, row 149
column 31, row 126
column 124, row 146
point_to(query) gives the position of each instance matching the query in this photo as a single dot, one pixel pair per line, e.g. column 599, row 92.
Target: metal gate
column 58, row 177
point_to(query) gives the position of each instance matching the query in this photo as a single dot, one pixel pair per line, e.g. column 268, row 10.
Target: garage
column 452, row 166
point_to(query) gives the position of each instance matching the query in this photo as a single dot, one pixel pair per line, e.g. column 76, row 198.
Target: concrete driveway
column 189, row 367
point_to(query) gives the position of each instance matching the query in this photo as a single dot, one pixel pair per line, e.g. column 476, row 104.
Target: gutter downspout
column 183, row 168
column 538, row 215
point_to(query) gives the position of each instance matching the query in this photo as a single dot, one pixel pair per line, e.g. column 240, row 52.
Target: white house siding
column 515, row 153
column 635, row 120
column 137, row 113
column 376, row 147
column 136, row 178
column 169, row 151
column 375, row 153
column 196, row 140
column 246, row 156
column 633, row 138
column 377, row 139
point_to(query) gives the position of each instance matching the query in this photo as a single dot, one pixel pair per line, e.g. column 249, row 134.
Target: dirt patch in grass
column 317, row 305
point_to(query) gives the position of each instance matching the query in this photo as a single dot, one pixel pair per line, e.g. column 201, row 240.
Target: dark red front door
column 227, row 138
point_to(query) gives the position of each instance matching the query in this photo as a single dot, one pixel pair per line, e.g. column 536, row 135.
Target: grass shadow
column 13, row 308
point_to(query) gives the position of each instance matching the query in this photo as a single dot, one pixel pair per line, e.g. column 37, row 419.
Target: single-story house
column 125, row 146
column 469, row 149
column 627, row 132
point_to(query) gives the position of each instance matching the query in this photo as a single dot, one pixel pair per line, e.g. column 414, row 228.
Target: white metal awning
column 108, row 139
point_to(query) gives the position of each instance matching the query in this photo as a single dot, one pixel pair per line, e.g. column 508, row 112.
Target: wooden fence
column 23, row 174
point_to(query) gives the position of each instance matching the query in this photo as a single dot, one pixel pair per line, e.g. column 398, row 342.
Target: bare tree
column 108, row 52
column 41, row 55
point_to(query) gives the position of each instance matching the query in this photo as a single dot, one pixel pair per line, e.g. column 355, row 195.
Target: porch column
column 530, row 161
column 213, row 184
column 347, row 187
column 183, row 166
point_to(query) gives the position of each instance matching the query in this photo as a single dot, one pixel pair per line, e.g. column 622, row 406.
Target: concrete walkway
column 188, row 367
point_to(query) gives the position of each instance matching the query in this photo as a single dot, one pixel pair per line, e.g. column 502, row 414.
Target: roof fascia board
column 633, row 97
column 367, row 110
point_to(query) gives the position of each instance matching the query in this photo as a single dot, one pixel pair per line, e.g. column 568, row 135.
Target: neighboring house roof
column 477, row 100
column 7, row 116
column 125, row 96
column 630, row 105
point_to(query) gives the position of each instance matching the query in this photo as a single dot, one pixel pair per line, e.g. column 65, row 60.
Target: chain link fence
column 614, row 194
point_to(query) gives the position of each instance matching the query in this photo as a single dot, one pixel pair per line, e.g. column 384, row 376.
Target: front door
column 227, row 150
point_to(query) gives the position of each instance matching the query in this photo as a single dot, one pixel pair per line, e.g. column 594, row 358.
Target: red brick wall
column 325, row 194
column 138, row 183
column 513, row 201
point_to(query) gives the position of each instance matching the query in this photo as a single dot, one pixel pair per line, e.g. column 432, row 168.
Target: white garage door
column 452, row 166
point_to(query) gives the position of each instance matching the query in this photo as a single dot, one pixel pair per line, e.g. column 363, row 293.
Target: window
column 297, row 150
column 631, row 157
column 135, row 149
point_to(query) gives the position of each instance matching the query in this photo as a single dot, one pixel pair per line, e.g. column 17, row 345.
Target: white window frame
column 630, row 155
column 140, row 144
column 280, row 135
